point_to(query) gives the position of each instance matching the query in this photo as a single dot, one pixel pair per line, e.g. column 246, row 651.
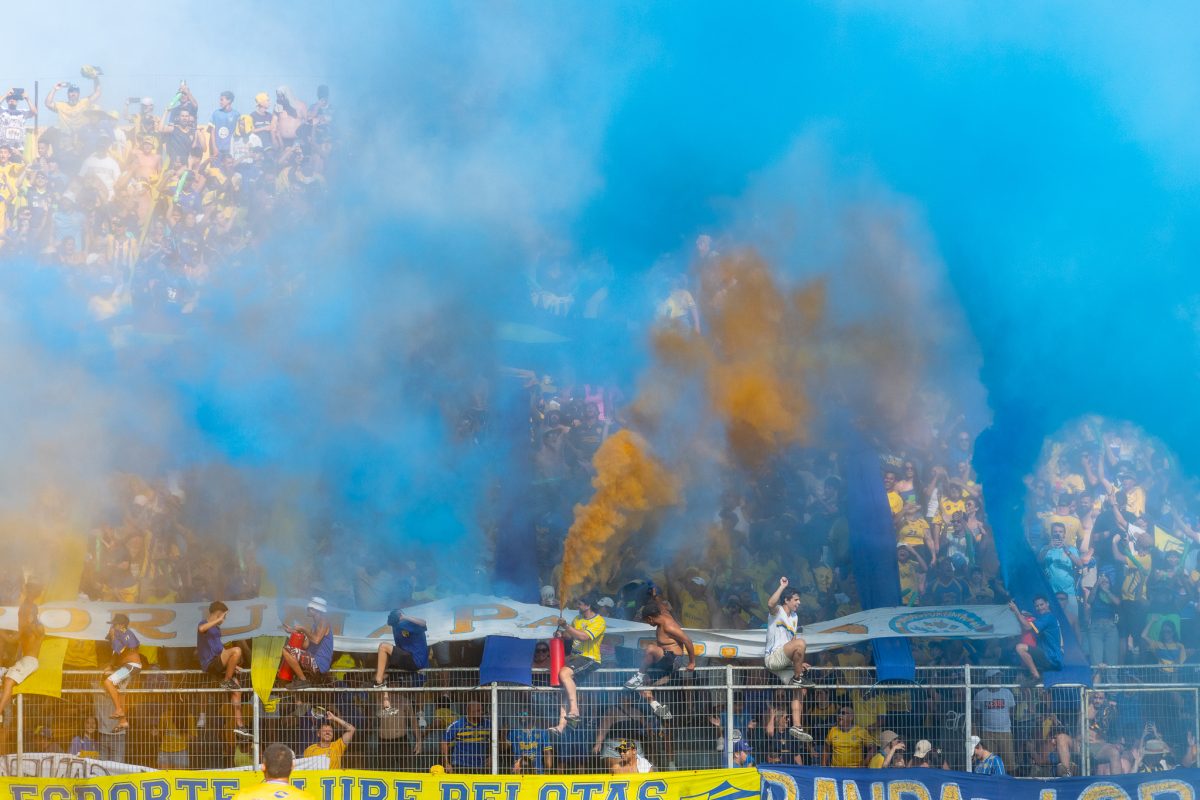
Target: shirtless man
column 145, row 163
column 30, row 634
column 662, row 659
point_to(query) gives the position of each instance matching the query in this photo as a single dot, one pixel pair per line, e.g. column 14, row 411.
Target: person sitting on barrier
column 670, row 650
column 984, row 761
column 1047, row 653
column 30, row 633
column 587, row 634
column 785, row 649
column 277, row 769
column 317, row 655
column 408, row 652
column 126, row 663
column 221, row 662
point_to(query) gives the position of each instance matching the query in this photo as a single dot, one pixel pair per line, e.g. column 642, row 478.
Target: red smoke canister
column 285, row 672
column 557, row 659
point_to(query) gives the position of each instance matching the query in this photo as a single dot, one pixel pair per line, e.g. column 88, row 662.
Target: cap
column 887, row 737
column 1155, row 747
column 742, row 746
column 119, row 619
column 318, row 604
column 974, row 742
column 623, row 746
column 547, row 592
column 147, row 101
column 922, row 749
column 992, row 673
column 699, row 581
column 605, row 602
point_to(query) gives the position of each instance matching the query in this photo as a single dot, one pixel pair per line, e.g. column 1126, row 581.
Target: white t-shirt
column 782, row 630
column 105, row 168
column 995, row 707
column 12, row 129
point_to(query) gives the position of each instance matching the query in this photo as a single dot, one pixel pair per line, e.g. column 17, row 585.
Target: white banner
column 477, row 616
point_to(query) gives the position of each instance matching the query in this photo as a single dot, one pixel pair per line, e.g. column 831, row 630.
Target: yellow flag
column 264, row 664
column 47, row 678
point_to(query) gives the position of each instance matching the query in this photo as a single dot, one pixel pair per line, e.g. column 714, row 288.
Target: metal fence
column 182, row 720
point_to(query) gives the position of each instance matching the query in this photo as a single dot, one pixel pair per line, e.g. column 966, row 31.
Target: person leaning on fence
column 30, row 633
column 1046, row 652
column 671, row 650
column 785, row 650
column 126, row 662
column 586, row 633
column 317, row 655
column 743, row 754
column 277, row 769
column 408, row 653
column 221, row 662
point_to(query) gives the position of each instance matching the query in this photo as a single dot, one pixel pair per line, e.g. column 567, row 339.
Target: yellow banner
column 719, row 784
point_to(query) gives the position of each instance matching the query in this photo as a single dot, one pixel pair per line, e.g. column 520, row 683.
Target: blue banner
column 812, row 783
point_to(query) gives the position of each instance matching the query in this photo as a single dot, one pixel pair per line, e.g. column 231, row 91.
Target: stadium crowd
column 141, row 210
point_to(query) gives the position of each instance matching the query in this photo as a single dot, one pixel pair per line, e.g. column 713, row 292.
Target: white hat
column 974, row 742
column 922, row 749
column 699, row 581
column 605, row 602
column 318, row 604
column 992, row 673
column 547, row 592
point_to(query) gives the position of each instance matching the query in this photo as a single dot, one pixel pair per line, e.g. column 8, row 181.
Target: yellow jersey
column 595, row 628
column 273, row 790
column 335, row 750
column 73, row 117
column 848, row 747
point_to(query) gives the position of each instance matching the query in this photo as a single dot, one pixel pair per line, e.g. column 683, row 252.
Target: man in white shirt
column 994, row 706
column 785, row 649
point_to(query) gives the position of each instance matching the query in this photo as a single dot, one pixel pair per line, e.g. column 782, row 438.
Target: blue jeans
column 1103, row 642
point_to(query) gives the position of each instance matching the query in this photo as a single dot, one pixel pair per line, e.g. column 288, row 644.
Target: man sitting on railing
column 317, row 655
column 221, row 662
column 785, row 650
column 30, row 634
column 1047, row 653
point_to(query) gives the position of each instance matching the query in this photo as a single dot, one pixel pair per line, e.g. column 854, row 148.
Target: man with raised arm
column 784, row 654
column 219, row 661
column 586, row 632
column 670, row 650
column 30, row 634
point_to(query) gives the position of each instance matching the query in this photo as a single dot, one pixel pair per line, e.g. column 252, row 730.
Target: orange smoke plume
column 629, row 484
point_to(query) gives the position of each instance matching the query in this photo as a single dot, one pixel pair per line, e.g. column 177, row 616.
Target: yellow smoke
column 629, row 484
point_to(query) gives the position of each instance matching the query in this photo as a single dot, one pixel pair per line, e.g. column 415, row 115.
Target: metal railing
column 181, row 719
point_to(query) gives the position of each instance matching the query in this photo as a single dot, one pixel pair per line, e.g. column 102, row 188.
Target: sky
column 1024, row 176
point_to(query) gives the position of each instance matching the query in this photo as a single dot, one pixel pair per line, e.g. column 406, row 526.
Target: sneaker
column 799, row 734
column 661, row 711
column 390, row 711
column 230, row 685
column 243, row 731
column 299, row 685
column 380, row 685
column 574, row 720
column 803, row 680
column 636, row 680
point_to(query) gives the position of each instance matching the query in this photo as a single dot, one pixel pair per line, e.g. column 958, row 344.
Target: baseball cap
column 887, row 737
column 742, row 746
column 119, row 619
column 992, row 673
column 974, row 742
column 922, row 749
column 605, row 602
column 318, row 604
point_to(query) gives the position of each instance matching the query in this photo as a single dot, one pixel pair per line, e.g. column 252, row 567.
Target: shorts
column 401, row 659
column 21, row 670
column 581, row 666
column 215, row 668
column 777, row 661
column 666, row 666
column 307, row 663
column 1040, row 661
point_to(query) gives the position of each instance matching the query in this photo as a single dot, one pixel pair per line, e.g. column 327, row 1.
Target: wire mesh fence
column 1134, row 718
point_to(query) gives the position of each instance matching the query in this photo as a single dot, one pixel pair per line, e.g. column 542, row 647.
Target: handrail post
column 495, row 728
column 729, row 715
column 257, row 746
column 20, row 735
column 968, row 722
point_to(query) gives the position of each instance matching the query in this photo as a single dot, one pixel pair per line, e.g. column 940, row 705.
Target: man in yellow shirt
column 586, row 633
column 72, row 115
column 277, row 768
column 327, row 745
column 847, row 741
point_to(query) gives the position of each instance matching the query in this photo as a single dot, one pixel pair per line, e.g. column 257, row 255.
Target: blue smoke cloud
column 1042, row 160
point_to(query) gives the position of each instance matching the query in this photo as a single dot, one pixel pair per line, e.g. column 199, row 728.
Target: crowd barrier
column 181, row 719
